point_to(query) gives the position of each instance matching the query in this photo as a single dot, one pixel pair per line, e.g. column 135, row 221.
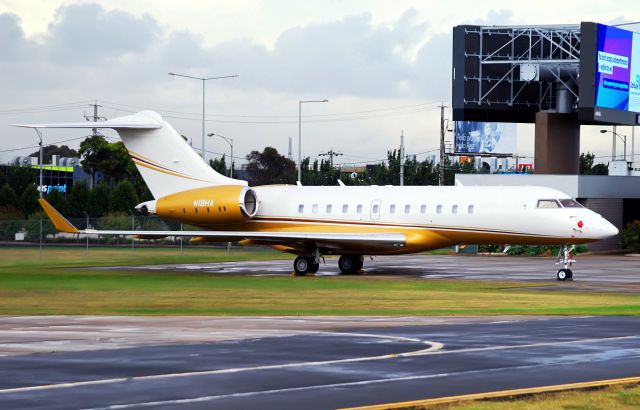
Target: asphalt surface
column 611, row 273
column 328, row 368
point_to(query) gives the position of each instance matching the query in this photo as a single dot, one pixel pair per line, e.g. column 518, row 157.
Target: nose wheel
column 565, row 257
column 564, row 274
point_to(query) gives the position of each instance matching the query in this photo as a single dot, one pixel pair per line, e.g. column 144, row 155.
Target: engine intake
column 222, row 204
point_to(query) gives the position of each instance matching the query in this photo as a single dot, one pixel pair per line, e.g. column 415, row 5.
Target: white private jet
column 312, row 221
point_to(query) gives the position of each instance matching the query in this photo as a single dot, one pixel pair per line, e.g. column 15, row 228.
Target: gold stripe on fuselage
column 418, row 237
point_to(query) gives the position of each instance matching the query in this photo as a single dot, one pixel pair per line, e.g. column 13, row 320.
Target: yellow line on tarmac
column 499, row 394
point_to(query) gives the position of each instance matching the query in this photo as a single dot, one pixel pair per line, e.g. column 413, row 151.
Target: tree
column 588, row 168
column 269, row 167
column 124, row 197
column 586, row 163
column 29, row 201
column 94, row 151
column 600, row 169
column 219, row 165
column 49, row 150
column 99, row 199
column 8, row 198
column 79, row 199
column 58, row 201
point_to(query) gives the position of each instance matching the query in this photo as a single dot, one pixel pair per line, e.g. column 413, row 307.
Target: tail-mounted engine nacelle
column 212, row 205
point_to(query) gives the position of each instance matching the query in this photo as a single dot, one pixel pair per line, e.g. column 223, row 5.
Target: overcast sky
column 384, row 66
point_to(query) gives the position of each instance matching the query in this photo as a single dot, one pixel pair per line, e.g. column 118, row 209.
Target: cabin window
column 314, row 208
column 359, row 209
column 470, row 209
column 196, row 210
column 375, row 208
column 439, row 209
column 548, row 204
column 184, row 211
column 329, row 209
column 208, row 210
column 224, row 208
column 345, row 208
column 423, row 209
column 392, row 209
column 407, row 209
column 300, row 208
column 570, row 203
column 454, row 209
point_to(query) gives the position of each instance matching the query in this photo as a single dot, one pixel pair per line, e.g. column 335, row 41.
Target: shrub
column 631, row 236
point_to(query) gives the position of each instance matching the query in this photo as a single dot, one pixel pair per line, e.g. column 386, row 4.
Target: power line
column 403, row 107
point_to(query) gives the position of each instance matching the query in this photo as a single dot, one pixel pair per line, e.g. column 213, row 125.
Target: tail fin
column 167, row 163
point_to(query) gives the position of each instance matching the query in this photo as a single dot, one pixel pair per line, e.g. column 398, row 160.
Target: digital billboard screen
column 618, row 69
column 485, row 137
column 609, row 75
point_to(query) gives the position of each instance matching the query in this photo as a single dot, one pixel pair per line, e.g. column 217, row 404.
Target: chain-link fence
column 40, row 231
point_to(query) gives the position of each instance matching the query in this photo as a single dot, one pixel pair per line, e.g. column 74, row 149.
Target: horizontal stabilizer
column 145, row 120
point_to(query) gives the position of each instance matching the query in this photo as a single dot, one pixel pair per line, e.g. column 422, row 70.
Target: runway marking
column 316, row 387
column 433, row 346
column 433, row 349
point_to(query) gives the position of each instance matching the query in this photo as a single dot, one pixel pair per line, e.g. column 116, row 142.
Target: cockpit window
column 548, row 203
column 570, row 203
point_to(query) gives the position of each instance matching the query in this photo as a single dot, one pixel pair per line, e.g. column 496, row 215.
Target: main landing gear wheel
column 301, row 265
column 350, row 263
column 305, row 264
column 564, row 274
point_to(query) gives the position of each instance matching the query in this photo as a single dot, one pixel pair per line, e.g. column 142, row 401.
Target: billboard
column 618, row 69
column 485, row 137
column 609, row 74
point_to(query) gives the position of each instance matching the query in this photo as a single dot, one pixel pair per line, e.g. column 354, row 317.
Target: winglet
column 59, row 221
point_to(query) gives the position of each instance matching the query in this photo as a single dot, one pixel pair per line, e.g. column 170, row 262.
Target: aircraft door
column 375, row 209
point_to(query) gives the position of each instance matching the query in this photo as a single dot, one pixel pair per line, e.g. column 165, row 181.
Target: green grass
column 612, row 398
column 61, row 283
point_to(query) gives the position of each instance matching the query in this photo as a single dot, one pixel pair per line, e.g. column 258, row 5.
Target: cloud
column 13, row 44
column 87, row 34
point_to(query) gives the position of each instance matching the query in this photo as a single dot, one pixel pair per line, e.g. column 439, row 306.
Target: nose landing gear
column 565, row 257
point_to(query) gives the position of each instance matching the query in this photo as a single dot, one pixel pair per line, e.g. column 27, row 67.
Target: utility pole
column 331, row 153
column 95, row 117
column 290, row 154
column 613, row 144
column 441, row 167
column 402, row 158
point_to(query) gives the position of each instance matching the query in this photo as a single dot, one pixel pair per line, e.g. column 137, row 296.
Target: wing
column 296, row 239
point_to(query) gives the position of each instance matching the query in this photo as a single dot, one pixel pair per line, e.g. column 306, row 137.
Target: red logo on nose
column 580, row 224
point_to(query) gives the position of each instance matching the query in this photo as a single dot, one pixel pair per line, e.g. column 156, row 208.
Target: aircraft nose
column 604, row 229
column 609, row 229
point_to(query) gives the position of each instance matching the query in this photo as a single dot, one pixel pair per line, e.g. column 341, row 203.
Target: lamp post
column 203, row 79
column 40, row 161
column 300, row 133
column 624, row 143
column 230, row 142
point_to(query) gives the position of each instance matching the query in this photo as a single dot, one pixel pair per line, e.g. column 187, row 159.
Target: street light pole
column 300, row 133
column 230, row 142
column 203, row 79
column 40, row 161
column 624, row 144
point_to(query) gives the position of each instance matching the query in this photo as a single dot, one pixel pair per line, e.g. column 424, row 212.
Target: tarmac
column 100, row 362
column 590, row 272
column 83, row 362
